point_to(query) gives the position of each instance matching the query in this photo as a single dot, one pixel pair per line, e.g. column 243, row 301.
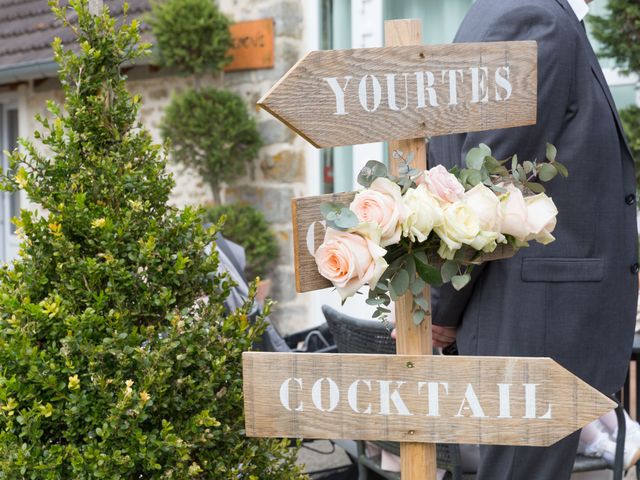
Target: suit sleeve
column 557, row 41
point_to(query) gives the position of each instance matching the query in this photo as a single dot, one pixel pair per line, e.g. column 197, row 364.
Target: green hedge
column 113, row 364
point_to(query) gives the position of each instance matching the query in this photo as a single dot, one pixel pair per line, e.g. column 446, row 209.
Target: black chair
column 354, row 335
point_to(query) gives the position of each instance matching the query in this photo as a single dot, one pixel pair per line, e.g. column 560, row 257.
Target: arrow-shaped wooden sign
column 485, row 400
column 347, row 97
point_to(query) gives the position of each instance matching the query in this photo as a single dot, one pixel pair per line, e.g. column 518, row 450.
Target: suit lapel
column 597, row 70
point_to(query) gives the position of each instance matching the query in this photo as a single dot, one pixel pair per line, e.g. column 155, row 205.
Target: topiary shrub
column 247, row 227
column 212, row 131
column 118, row 358
column 192, row 35
column 619, row 33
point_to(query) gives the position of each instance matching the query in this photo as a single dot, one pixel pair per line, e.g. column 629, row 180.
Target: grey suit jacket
column 575, row 299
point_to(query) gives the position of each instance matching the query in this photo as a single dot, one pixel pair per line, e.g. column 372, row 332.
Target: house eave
column 28, row 71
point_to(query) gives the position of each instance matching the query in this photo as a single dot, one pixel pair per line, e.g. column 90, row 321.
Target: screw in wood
column 410, row 365
column 412, row 432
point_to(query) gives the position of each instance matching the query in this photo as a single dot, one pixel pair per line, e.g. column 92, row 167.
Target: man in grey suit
column 575, row 299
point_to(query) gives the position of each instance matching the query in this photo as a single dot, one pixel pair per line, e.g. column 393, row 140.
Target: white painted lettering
column 284, row 394
column 421, row 89
column 338, row 91
column 391, row 91
column 470, row 401
column 505, row 401
column 363, row 93
column 434, row 396
column 386, row 397
column 530, row 402
column 453, row 84
column 479, row 90
column 334, row 395
column 503, row 83
column 352, row 396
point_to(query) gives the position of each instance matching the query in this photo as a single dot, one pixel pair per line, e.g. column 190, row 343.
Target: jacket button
column 630, row 199
column 635, row 268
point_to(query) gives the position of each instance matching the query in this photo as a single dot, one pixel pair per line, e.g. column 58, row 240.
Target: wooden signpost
column 403, row 93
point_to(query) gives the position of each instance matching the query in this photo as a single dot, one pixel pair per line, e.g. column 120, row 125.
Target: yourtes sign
column 346, row 97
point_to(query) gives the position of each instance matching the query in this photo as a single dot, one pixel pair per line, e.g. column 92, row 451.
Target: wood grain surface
column 563, row 403
column 348, row 97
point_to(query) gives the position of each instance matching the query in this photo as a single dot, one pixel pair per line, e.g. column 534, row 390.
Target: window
column 9, row 202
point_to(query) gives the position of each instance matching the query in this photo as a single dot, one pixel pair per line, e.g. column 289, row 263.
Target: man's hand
column 441, row 336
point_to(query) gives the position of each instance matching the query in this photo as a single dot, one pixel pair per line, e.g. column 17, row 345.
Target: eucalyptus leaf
column 475, row 157
column 528, row 166
column 552, row 152
column 422, row 303
column 514, row 163
column 330, row 207
column 372, row 170
column 460, row 281
column 374, row 301
column 400, row 283
column 535, row 187
column 346, row 219
column 448, row 270
column 428, row 273
column 417, row 286
column 410, row 157
column 562, row 170
column 417, row 317
column 491, row 164
column 547, row 172
column 474, row 177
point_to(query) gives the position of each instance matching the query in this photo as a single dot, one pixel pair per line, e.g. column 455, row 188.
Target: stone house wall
column 279, row 172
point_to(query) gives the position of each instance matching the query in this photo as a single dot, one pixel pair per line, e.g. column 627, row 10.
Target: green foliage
column 192, row 35
column 212, row 131
column 113, row 364
column 247, row 227
column 619, row 32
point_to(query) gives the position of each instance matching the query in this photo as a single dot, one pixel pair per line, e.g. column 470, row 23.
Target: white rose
column 541, row 218
column 514, row 214
column 424, row 213
column 460, row 225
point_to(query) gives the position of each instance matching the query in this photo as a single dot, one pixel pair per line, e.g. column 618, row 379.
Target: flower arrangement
column 403, row 232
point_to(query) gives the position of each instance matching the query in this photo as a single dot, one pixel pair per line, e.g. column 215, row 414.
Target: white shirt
column 580, row 8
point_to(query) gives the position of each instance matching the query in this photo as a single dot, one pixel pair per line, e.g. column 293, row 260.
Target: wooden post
column 95, row 7
column 417, row 460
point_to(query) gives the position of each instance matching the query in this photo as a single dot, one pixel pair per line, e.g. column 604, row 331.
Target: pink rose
column 443, row 185
column 382, row 205
column 351, row 259
column 514, row 214
column 541, row 218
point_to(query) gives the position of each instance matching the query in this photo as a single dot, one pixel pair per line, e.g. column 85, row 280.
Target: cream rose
column 381, row 204
column 541, row 218
column 425, row 213
column 460, row 225
column 443, row 185
column 514, row 214
column 351, row 259
column 482, row 200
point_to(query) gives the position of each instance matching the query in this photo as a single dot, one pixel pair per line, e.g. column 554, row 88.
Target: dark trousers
column 529, row 463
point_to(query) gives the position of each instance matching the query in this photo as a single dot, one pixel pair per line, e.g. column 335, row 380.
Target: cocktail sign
column 403, row 93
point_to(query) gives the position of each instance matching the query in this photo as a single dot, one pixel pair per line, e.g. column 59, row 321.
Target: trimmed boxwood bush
column 211, row 130
column 118, row 359
column 192, row 35
column 247, row 227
